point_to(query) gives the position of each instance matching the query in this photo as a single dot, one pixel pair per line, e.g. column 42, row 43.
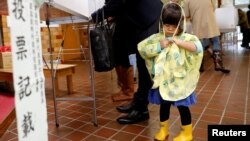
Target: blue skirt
column 154, row 97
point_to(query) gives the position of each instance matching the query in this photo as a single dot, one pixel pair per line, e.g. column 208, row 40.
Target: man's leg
column 245, row 39
column 138, row 108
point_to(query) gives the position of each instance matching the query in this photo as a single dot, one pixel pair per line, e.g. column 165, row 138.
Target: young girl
column 173, row 59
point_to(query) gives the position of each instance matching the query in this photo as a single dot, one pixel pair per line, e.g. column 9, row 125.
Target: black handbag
column 101, row 46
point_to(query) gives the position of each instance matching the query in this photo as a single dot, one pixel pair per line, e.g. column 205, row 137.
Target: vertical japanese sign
column 31, row 112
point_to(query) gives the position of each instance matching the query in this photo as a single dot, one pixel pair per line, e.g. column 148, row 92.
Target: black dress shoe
column 133, row 117
column 245, row 45
column 222, row 70
column 125, row 108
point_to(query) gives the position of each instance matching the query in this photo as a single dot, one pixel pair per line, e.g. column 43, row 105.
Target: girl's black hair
column 172, row 14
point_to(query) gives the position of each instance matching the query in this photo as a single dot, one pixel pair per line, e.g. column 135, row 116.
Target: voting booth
column 73, row 11
column 227, row 18
column 24, row 18
column 68, row 11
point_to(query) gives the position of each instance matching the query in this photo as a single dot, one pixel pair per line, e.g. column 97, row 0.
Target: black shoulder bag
column 101, row 46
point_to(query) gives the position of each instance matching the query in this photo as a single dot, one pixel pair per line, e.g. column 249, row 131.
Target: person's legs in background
column 248, row 38
column 125, row 78
column 132, row 60
column 205, row 44
column 245, row 38
column 125, row 75
column 217, row 55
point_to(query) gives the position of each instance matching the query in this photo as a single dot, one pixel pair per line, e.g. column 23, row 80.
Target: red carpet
column 7, row 104
column 7, row 112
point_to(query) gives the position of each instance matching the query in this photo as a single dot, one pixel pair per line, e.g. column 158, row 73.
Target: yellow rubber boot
column 162, row 134
column 185, row 134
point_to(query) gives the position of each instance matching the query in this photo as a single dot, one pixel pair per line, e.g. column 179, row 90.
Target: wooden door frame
column 1, row 32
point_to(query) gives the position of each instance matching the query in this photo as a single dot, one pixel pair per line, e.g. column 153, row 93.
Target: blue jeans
column 215, row 41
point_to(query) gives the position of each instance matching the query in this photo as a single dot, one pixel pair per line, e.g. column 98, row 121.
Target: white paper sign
column 30, row 102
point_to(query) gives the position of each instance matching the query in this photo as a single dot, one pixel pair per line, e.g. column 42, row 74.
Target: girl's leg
column 162, row 134
column 185, row 115
column 186, row 133
column 165, row 111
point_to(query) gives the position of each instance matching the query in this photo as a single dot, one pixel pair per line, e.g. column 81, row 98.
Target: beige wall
column 6, row 31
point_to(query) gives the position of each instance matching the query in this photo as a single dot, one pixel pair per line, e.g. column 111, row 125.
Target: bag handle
column 97, row 17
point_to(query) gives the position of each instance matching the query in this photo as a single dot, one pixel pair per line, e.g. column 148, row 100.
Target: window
column 241, row 2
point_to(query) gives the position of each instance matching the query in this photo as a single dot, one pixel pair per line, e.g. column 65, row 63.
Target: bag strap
column 97, row 17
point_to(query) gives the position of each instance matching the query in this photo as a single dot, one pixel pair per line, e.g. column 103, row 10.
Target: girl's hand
column 175, row 40
column 190, row 46
column 165, row 43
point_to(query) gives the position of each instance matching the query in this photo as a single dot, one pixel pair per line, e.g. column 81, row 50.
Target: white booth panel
column 79, row 8
column 227, row 18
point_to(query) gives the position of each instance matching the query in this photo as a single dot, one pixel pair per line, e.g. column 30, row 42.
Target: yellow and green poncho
column 174, row 70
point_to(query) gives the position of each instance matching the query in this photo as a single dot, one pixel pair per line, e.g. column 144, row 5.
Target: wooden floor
column 222, row 99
